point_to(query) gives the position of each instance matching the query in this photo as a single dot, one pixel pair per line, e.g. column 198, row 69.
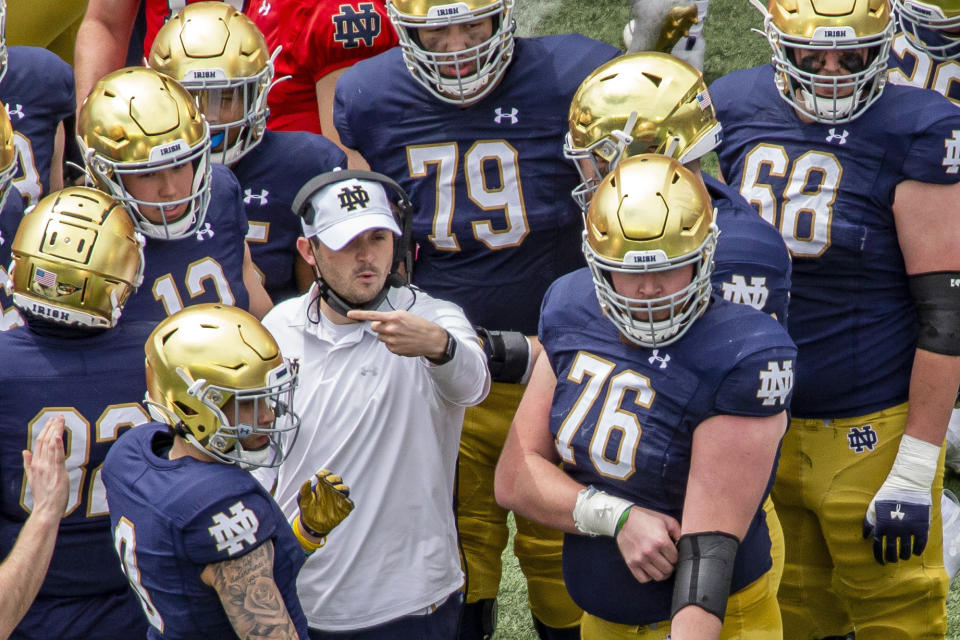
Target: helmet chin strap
column 341, row 305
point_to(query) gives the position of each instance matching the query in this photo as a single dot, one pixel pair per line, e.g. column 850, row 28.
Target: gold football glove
column 323, row 505
column 675, row 26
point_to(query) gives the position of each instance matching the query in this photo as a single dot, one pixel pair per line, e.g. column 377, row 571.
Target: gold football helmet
column 206, row 356
column 931, row 26
column 137, row 121
column 490, row 58
column 844, row 26
column 219, row 55
column 645, row 102
column 651, row 214
column 8, row 155
column 76, row 259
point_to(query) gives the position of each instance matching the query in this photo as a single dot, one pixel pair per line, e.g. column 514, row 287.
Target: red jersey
column 318, row 37
column 159, row 11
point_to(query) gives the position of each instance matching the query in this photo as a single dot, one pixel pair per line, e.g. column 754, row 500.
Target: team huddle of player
column 263, row 381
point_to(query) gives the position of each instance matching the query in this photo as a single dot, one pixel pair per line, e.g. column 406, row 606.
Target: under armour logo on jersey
column 839, row 138
column 249, row 196
column 205, row 233
column 776, row 383
column 16, row 111
column 369, row 371
column 264, row 9
column 352, row 27
column 864, row 438
column 230, row 532
column 350, row 199
column 951, row 158
column 500, row 115
column 754, row 294
column 897, row 514
column 656, row 358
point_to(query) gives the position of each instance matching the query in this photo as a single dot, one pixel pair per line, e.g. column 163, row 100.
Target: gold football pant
column 752, row 614
column 483, row 523
column 829, row 472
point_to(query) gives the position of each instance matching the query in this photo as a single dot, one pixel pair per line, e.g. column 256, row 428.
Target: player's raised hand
column 324, row 503
column 46, row 470
column 405, row 333
column 647, row 543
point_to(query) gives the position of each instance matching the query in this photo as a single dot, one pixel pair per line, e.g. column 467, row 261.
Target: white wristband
column 914, row 467
column 596, row 513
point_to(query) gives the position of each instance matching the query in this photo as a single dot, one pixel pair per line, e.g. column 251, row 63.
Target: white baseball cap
column 343, row 210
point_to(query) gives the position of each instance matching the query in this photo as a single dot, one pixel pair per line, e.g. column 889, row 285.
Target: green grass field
column 730, row 45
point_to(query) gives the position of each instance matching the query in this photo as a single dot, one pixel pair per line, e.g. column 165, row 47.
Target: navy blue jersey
column 751, row 263
column 912, row 67
column 830, row 189
column 38, row 92
column 494, row 218
column 172, row 518
column 96, row 383
column 270, row 176
column 204, row 267
column 10, row 217
column 623, row 419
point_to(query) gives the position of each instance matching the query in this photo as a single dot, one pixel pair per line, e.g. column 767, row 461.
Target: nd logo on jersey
column 754, row 294
column 951, row 157
column 776, row 382
column 353, row 26
column 230, row 532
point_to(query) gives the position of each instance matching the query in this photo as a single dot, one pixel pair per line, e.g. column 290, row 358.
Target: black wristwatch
column 448, row 353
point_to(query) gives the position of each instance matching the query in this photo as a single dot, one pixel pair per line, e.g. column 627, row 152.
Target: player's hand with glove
column 898, row 517
column 324, row 502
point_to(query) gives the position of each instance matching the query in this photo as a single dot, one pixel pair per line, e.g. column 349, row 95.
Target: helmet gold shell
column 77, row 257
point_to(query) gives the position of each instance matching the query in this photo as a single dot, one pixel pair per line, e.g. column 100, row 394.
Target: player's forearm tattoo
column 250, row 597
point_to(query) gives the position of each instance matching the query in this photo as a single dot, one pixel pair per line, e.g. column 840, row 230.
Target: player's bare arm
column 928, row 230
column 102, row 41
column 354, row 159
column 731, row 463
column 23, row 570
column 249, row 595
column 260, row 302
column 325, row 93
